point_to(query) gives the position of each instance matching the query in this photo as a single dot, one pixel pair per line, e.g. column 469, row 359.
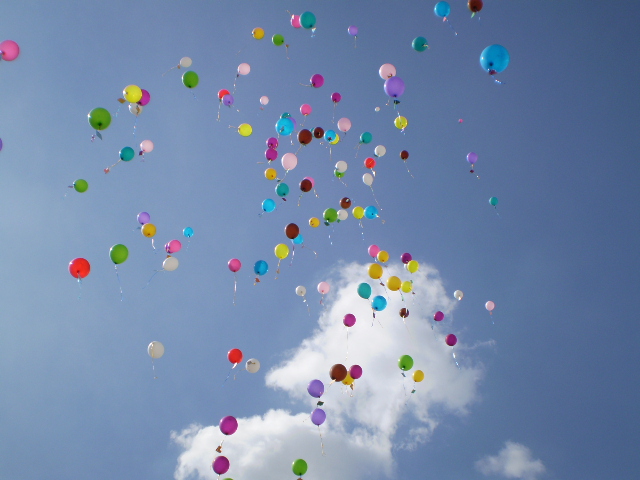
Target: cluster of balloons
column 149, row 230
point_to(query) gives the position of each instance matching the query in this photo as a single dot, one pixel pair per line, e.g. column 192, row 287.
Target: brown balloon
column 404, row 154
column 345, row 202
column 305, row 185
column 305, row 137
column 338, row 372
column 404, row 312
column 291, row 231
column 475, row 5
column 318, row 132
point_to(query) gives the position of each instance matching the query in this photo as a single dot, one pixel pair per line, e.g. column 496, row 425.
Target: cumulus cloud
column 513, row 461
column 361, row 431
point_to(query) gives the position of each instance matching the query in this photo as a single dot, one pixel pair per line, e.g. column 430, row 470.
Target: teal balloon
column 284, row 126
column 420, row 44
column 261, row 267
column 308, row 20
column 379, row 303
column 299, row 240
column 371, row 212
column 493, row 201
column 494, row 59
column 366, row 137
column 268, row 205
column 442, row 9
column 127, row 154
column 282, row 189
column 364, row 290
column 285, row 115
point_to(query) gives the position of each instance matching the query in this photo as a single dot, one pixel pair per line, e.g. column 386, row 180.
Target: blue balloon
column 299, row 240
column 188, row 232
column 285, row 115
column 379, row 303
column 442, row 9
column 268, row 205
column 494, row 59
column 364, row 290
column 329, row 135
column 371, row 212
column 261, row 267
column 284, row 126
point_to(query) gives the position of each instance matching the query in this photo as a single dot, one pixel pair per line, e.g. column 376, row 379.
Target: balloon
column 305, row 185
column 143, row 217
column 404, row 154
column 394, row 283
column 349, row 320
column 222, row 93
column 234, row 265
column 420, row 44
column 314, row 222
column 451, row 339
column 383, row 256
column 281, row 251
column 174, row 246
column 0, row 144
column 146, row 146
column 305, row 109
column 291, row 231
column 318, row 416
column 318, row 132
column 387, row 71
column 252, row 365
column 401, row 122
column 407, row 286
column 494, row 59
column 418, row 376
column 373, row 250
column 371, row 212
column 289, row 161
column 99, row 118
column 317, row 80
column 458, row 295
column 315, row 388
column 336, row 97
column 272, row 143
column 228, row 425
column 170, row 264
column 342, row 215
column 341, row 166
column 375, row 271
column 299, row 240
column 472, row 157
column 245, row 129
column 438, row 316
column 370, row 163
column 305, row 136
column 282, row 189
column 10, row 50
column 394, row 87
column 345, row 202
column 185, row 62
column 490, row 305
column 127, row 154
column 188, row 232
column 155, row 350
column 190, row 79
column 413, row 266
column 364, row 290
column 301, row 291
column 405, row 362
column 475, row 5
column 221, row 465
column 258, row 33
column 330, row 215
column 442, row 9
column 352, row 30
column 367, row 179
column 277, row 39
column 355, row 371
column 135, row 109
column 366, row 137
column 118, row 253
column 264, row 100
column 80, row 185
column 244, row 69
column 338, row 372
column 404, row 312
column 323, row 288
column 405, row 258
column 271, row 154
column 146, row 98
column 379, row 151
column 79, row 268
column 493, row 201
column 132, row 93
column 379, row 303
column 260, row 267
column 347, row 380
column 358, row 212
column 228, row 100
column 295, row 21
column 284, row 126
column 234, row 355
column 268, row 205
column 299, row 467
column 329, row 135
column 270, row 174
column 308, row 20
column 148, row 230
column 344, row 125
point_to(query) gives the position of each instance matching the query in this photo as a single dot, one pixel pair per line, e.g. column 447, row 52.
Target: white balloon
column 135, row 109
column 458, row 295
column 377, row 109
column 342, row 215
column 264, row 100
column 146, row 146
column 252, row 365
column 155, row 349
column 367, row 179
column 170, row 264
column 185, row 62
column 341, row 166
column 244, row 69
column 380, row 151
column 301, row 291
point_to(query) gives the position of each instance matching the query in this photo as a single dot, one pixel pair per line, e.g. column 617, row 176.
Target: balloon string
column 135, row 124
column 219, row 104
column 321, row 442
column 454, row 359
column 229, row 374
column 347, row 355
column 119, row 283
column 316, row 253
column 334, row 113
column 80, row 287
column 405, row 164
column 278, row 269
column 300, row 198
column 293, row 254
column 355, row 40
column 155, row 273
column 234, row 83
column 374, row 197
column 287, row 50
column 451, row 26
column 178, row 66
column 235, row 287
column 362, row 228
column 153, row 245
column 153, row 369
column 314, row 191
column 108, row 169
column 358, row 149
column 97, row 134
column 219, row 449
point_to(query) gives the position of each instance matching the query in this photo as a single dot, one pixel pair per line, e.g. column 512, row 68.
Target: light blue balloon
column 284, row 126
column 371, row 212
column 442, row 9
column 494, row 58
column 268, row 205
column 299, row 240
column 188, row 232
column 261, row 267
column 379, row 303
column 329, row 135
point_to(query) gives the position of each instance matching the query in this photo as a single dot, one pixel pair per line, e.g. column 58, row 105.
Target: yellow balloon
column 418, row 376
column 314, row 222
column 348, row 380
column 335, row 140
column 148, row 230
column 394, row 283
column 281, row 251
column 132, row 93
column 407, row 286
column 375, row 271
column 413, row 266
column 401, row 122
column 245, row 130
column 270, row 174
column 383, row 256
column 258, row 33
column 358, row 212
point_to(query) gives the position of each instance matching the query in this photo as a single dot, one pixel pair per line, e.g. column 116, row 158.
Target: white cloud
column 360, row 432
column 513, row 461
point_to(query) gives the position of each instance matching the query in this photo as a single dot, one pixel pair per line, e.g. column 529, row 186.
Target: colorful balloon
column 336, row 97
column 148, row 230
column 451, row 339
column 490, row 306
column 174, row 246
column 221, row 465
column 494, row 59
column 442, row 9
column 318, row 416
column 299, row 467
column 188, row 232
column 371, row 212
column 260, row 267
column 284, row 126
column 282, row 189
column 291, row 231
column 79, row 268
column 244, row 69
column 349, row 320
column 308, row 20
column 364, row 290
column 99, row 118
column 80, row 185
column 155, row 350
column 355, row 371
column 323, row 288
column 413, row 266
column 344, row 125
column 458, row 295
column 127, row 154
column 234, row 355
column 132, row 93
column 315, row 388
column 118, row 253
column 493, row 201
column 379, row 303
column 352, row 30
column 438, row 316
column 190, row 79
column 170, row 264
column 387, row 71
column 268, row 205
column 418, row 376
column 338, row 372
column 277, row 39
column 245, row 129
column 228, row 425
column 9, row 50
column 252, row 365
column 289, row 161
column 420, row 44
column 405, row 362
column 375, row 271
column 143, row 217
column 234, row 265
column 258, row 33
column 317, row 80
column 394, row 87
column 281, row 251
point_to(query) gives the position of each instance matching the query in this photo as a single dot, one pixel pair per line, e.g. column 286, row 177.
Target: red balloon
column 338, row 372
column 292, row 231
column 404, row 154
column 222, row 93
column 235, row 355
column 306, row 185
column 369, row 163
column 305, row 136
column 79, row 268
column 318, row 132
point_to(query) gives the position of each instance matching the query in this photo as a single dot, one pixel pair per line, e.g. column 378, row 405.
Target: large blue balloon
column 379, row 303
column 371, row 212
column 494, row 59
column 261, row 267
column 442, row 9
column 364, row 290
column 268, row 205
column 284, row 126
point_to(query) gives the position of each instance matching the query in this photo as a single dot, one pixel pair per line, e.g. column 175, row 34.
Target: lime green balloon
column 277, row 39
column 118, row 253
column 99, row 118
column 80, row 185
column 405, row 362
column 190, row 79
column 299, row 467
column 330, row 215
column 338, row 174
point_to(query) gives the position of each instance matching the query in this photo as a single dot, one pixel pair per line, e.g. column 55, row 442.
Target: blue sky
column 550, row 380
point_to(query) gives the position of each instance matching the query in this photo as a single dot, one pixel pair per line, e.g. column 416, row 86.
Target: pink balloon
column 317, row 80
column 146, row 146
column 295, row 21
column 387, row 71
column 438, row 316
column 313, row 182
column 373, row 250
column 10, row 50
column 489, row 305
column 244, row 69
column 234, row 265
column 451, row 339
column 305, row 109
column 228, row 425
column 146, row 98
column 323, row 287
column 173, row 246
column 289, row 161
column 349, row 320
column 344, row 125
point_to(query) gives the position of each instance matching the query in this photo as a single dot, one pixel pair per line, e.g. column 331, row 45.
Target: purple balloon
column 315, row 388
column 438, row 316
column 143, row 218
column 349, row 320
column 336, row 97
column 272, row 142
column 271, row 154
column 355, row 371
column 0, row 144
column 317, row 80
column 451, row 340
column 406, row 258
column 353, row 30
column 146, row 98
column 221, row 465
column 228, row 425
column 394, row 87
column 227, row 99
column 472, row 157
column 318, row 416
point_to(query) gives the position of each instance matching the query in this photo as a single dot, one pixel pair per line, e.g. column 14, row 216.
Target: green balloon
column 338, row 174
column 308, row 20
column 299, row 467
column 80, row 185
column 99, row 118
column 366, row 137
column 127, row 154
column 330, row 215
column 190, row 79
column 420, row 44
column 405, row 362
column 277, row 39
column 364, row 290
column 118, row 253
column 493, row 201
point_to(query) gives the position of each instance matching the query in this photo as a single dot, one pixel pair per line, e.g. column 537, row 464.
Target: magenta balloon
column 305, row 109
column 10, row 50
column 146, row 98
column 271, row 154
column 143, row 218
column 318, row 416
column 438, row 316
column 173, row 246
column 406, row 258
column 355, row 371
column 451, row 340
column 221, row 465
column 295, row 21
column 353, row 30
column 315, row 388
column 373, row 250
column 349, row 320
column 336, row 97
column 234, row 265
column 228, row 425
column 272, row 142
column 472, row 157
column 394, row 87
column 317, row 80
